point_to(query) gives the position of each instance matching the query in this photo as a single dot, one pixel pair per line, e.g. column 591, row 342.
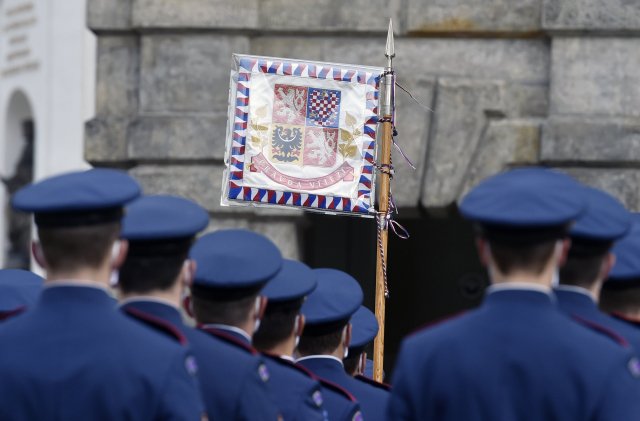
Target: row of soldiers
column 274, row 339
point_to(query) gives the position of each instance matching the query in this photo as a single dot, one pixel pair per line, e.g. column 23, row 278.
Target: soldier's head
column 364, row 329
column 589, row 261
column 328, row 311
column 522, row 218
column 78, row 218
column 160, row 231
column 232, row 268
column 621, row 291
column 282, row 323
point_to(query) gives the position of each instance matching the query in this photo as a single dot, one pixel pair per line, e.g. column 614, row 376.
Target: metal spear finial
column 390, row 51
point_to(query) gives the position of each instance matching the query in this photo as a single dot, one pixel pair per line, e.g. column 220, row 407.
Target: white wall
column 46, row 53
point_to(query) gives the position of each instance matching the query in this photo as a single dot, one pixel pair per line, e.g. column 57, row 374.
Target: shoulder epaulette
column 372, row 382
column 157, row 323
column 601, row 329
column 5, row 315
column 229, row 339
column 437, row 322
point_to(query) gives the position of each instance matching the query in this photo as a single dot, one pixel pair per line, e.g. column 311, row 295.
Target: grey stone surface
column 283, row 233
column 621, row 182
column 106, row 139
column 526, row 100
column 200, row 183
column 589, row 139
column 195, row 14
column 464, row 16
column 109, row 14
column 596, row 76
column 325, row 15
column 462, row 111
column 505, row 143
column 117, row 74
column 177, row 137
column 522, row 61
column 187, row 73
column 413, row 123
column 591, row 15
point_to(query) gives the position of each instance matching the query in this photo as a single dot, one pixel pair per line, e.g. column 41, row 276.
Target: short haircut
column 351, row 362
column 620, row 300
column 145, row 273
column 530, row 257
column 276, row 324
column 70, row 249
column 208, row 309
column 581, row 270
column 321, row 344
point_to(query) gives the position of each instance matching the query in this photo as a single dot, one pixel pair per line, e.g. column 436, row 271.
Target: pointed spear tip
column 390, row 50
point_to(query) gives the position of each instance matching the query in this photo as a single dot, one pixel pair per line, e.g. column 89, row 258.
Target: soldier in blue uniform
column 364, row 329
column 589, row 262
column 73, row 356
column 160, row 231
column 620, row 295
column 299, row 393
column 232, row 267
column 19, row 290
column 327, row 334
column 516, row 357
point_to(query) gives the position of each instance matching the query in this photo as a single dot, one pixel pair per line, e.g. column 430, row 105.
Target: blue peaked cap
column 235, row 259
column 627, row 252
column 163, row 217
column 294, row 281
column 337, row 297
column 605, row 218
column 524, row 198
column 18, row 288
column 96, row 188
column 364, row 328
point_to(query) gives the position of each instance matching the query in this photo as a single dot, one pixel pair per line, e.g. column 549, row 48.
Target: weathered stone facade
column 509, row 82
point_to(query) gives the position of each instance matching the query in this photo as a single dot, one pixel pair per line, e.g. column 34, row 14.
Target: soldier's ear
column 119, row 253
column 562, row 251
column 38, row 254
column 298, row 326
column 188, row 272
column 484, row 251
column 607, row 264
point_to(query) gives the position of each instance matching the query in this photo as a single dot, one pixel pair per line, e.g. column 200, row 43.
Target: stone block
column 103, row 15
column 620, row 182
column 464, row 16
column 505, row 143
column 413, row 125
column 200, row 183
column 117, row 73
column 207, row 14
column 283, row 233
column 325, row 15
column 590, row 139
column 597, row 76
column 105, row 140
column 187, row 73
column 463, row 112
column 177, row 137
column 522, row 61
column 526, row 100
column 591, row 15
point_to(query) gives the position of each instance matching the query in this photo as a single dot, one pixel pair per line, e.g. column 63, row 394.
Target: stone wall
column 508, row 81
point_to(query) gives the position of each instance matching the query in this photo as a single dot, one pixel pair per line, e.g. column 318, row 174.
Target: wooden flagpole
column 387, row 111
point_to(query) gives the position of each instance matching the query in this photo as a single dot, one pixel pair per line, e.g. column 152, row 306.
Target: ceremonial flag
column 301, row 134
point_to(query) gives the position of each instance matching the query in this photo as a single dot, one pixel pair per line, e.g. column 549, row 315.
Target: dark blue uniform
column 19, row 290
column 514, row 358
column 583, row 309
column 74, row 357
column 372, row 400
column 233, row 381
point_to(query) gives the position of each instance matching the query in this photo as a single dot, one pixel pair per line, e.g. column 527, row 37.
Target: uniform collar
column 235, row 331
column 77, row 283
column 519, row 294
column 568, row 290
column 518, row 286
column 156, row 307
column 75, row 295
column 320, row 357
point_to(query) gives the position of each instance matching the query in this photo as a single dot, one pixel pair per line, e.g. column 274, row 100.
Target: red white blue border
column 238, row 120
